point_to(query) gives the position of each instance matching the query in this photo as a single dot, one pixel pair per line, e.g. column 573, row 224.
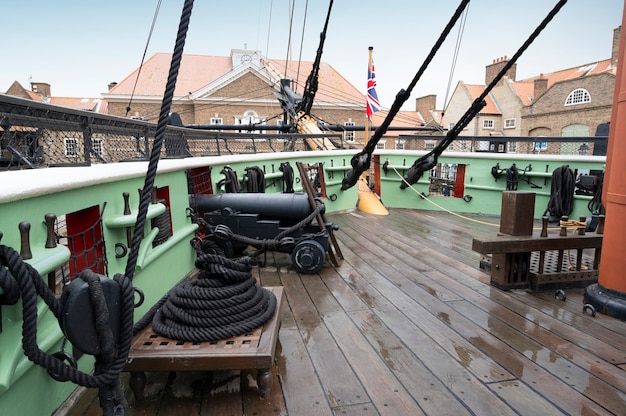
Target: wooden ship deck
column 408, row 325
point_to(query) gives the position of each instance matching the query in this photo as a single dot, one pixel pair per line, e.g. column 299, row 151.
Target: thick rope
column 223, row 302
column 158, row 140
column 361, row 161
column 429, row 160
column 561, row 192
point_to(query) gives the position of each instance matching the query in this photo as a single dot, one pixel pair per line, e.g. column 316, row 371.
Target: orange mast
column 608, row 296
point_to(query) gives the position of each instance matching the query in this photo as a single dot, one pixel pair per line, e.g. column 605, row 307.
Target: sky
column 79, row 47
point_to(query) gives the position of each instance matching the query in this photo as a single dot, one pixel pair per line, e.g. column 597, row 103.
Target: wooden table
column 255, row 350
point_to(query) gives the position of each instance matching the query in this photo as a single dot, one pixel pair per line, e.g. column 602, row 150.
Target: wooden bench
column 151, row 352
column 541, row 262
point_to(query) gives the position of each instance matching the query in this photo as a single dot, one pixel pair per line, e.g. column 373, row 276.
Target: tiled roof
column 576, row 72
column 198, row 71
column 195, row 72
column 475, row 91
column 403, row 118
column 97, row 105
column 525, row 91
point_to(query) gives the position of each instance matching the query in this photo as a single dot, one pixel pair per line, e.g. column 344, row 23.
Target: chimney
column 615, row 51
column 424, row 105
column 41, row 88
column 112, row 85
column 541, row 86
column 494, row 69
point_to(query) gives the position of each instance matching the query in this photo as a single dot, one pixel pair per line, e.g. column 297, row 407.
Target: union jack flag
column 372, row 104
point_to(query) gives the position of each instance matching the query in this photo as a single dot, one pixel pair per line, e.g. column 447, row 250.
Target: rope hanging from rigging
column 429, row 160
column 561, row 202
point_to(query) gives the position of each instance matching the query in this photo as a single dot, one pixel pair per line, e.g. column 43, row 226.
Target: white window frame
column 71, row 146
column 216, row 120
column 578, row 96
column 349, row 136
column 97, row 146
column 400, row 144
column 509, row 123
column 381, row 144
column 488, row 123
column 250, row 117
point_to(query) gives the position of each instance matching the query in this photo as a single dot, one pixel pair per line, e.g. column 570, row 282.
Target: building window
column 578, row 96
column 71, row 146
column 96, row 146
column 400, row 145
column 216, row 120
column 509, row 123
column 348, row 135
column 380, row 145
column 512, row 147
column 429, row 145
column 487, row 124
column 250, row 118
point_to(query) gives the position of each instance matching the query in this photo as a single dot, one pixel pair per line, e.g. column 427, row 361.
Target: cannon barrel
column 292, row 206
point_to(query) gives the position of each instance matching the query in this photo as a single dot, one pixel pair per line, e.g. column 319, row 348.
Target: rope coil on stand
column 223, row 302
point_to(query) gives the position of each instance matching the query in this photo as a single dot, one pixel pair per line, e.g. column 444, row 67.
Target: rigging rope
column 158, row 139
column 457, row 48
column 561, row 200
column 429, row 160
column 361, row 161
column 143, row 58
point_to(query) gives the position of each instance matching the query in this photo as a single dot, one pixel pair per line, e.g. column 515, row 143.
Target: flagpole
column 367, row 118
column 368, row 201
column 367, row 115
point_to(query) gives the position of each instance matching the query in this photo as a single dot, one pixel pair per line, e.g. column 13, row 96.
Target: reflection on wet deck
column 409, row 325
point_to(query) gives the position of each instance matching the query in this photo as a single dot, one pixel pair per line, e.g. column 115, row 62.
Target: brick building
column 242, row 89
column 573, row 102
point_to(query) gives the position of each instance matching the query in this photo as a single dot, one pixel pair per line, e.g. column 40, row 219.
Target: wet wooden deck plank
column 404, row 364
column 222, row 395
column 392, row 283
column 303, row 393
column 468, row 388
column 340, row 383
column 598, row 388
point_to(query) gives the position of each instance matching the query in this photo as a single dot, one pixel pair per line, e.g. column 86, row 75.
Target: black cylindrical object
column 294, row 206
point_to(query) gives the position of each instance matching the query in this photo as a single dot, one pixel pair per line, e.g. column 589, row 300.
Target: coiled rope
column 223, row 302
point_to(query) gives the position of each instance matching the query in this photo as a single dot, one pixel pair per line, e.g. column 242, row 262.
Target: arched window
column 578, row 96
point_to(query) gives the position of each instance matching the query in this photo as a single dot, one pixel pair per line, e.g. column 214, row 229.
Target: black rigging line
column 269, row 29
column 429, row 160
column 361, row 161
column 291, row 8
column 457, row 48
column 156, row 14
column 306, row 8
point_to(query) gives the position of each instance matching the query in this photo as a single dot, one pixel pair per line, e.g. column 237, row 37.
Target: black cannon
column 263, row 218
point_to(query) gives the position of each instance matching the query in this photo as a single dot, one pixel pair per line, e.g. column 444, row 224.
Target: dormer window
column 578, row 96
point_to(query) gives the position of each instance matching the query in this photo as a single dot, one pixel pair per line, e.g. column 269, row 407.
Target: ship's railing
column 36, row 135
